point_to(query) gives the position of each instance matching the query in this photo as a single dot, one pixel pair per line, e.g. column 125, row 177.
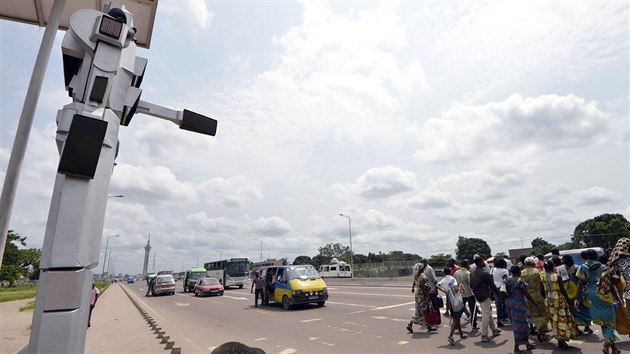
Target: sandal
column 451, row 340
column 530, row 346
column 409, row 328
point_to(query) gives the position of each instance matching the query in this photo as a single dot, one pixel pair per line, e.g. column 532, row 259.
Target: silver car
column 163, row 284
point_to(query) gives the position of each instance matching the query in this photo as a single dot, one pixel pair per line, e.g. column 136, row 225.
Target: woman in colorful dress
column 536, row 308
column 421, row 291
column 517, row 309
column 600, row 301
column 557, row 300
column 580, row 311
column 618, row 264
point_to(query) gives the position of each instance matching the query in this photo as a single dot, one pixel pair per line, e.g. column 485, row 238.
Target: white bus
column 336, row 270
column 230, row 272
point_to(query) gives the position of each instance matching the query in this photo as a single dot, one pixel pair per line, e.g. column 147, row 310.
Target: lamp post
column 350, row 230
column 260, row 248
column 105, row 256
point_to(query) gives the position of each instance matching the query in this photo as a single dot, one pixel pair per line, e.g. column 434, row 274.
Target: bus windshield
column 303, row 272
column 238, row 268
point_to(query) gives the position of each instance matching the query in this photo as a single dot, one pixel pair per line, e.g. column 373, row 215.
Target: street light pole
column 105, row 256
column 350, row 230
column 260, row 248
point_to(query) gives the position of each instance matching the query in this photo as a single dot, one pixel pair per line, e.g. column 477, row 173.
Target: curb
column 161, row 335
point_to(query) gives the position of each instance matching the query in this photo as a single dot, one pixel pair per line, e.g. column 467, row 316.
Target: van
column 336, row 270
column 191, row 277
column 575, row 254
column 293, row 285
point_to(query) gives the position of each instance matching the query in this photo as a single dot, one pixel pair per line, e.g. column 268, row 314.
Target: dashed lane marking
column 392, row 306
column 403, row 342
column 346, row 304
column 311, row 320
column 288, row 351
column 259, row 339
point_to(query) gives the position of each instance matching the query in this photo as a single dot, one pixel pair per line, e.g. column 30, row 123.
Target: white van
column 575, row 254
column 336, row 270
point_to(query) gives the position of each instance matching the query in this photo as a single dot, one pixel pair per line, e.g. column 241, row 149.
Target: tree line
column 601, row 231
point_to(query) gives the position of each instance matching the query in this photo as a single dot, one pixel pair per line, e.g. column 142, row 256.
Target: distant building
column 515, row 253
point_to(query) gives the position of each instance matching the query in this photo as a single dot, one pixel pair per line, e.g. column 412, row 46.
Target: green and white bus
column 230, row 272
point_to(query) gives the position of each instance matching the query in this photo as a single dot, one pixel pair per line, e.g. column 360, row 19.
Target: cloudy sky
column 422, row 121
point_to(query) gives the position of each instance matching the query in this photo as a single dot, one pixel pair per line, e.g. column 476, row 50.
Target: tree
column 302, row 260
column 439, row 260
column 601, row 231
column 468, row 247
column 18, row 262
column 334, row 250
column 540, row 246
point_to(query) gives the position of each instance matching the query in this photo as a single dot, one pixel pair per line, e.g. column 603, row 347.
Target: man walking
column 93, row 298
column 463, row 279
column 259, row 290
column 482, row 286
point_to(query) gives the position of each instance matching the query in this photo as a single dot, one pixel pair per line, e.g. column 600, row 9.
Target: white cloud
column 196, row 12
column 231, row 192
column 271, row 226
column 155, row 184
column 381, row 182
column 515, row 125
column 596, row 195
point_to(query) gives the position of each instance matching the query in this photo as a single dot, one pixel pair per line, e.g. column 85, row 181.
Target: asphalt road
column 354, row 320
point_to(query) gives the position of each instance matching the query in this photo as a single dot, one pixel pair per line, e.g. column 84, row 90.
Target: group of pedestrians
column 539, row 297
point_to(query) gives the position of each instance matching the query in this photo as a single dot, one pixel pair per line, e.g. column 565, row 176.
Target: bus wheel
column 285, row 302
column 240, row 286
column 320, row 303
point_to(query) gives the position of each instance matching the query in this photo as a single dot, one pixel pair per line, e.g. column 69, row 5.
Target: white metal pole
column 23, row 131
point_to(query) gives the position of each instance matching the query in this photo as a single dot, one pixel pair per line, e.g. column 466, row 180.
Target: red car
column 208, row 286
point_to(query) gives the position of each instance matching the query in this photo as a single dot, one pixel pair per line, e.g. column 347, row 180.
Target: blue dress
column 517, row 309
column 602, row 310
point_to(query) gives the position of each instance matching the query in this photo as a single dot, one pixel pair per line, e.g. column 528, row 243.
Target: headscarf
column 530, row 261
column 418, row 268
column 621, row 250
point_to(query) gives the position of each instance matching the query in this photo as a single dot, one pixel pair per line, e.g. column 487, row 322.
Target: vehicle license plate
column 313, row 297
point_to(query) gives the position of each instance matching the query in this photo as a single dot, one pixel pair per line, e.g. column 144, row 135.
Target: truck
column 191, row 277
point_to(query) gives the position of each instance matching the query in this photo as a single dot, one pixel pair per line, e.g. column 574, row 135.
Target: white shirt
column 498, row 275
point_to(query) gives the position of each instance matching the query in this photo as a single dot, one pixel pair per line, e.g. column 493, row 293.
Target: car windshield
column 210, row 282
column 165, row 279
column 303, row 272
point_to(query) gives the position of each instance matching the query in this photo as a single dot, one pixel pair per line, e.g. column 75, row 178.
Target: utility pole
column 350, row 229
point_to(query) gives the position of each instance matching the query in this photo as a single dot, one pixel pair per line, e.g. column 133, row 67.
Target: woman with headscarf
column 536, row 308
column 557, row 300
column 619, row 265
column 600, row 298
column 421, row 291
column 579, row 310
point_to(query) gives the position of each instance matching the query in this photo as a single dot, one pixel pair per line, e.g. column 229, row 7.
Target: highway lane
column 354, row 320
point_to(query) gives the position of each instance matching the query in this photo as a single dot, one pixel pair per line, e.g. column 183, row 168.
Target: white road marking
column 181, row 304
column 313, row 338
column 343, row 303
column 235, row 298
column 311, row 320
column 288, row 351
column 379, row 317
column 259, row 339
column 366, row 294
column 392, row 306
column 149, row 307
column 328, row 344
column 403, row 342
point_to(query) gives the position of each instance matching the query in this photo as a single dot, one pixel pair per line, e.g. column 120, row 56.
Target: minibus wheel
column 285, row 302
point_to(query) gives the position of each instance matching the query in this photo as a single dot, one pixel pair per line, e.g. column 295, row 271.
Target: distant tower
column 147, row 249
